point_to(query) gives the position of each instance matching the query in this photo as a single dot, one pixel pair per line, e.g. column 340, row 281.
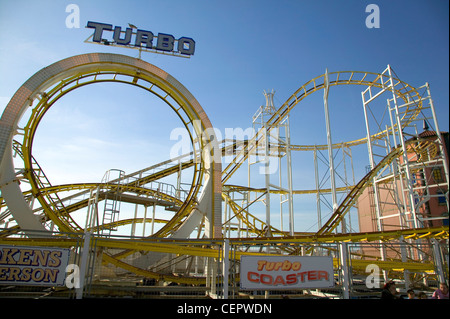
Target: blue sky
column 242, row 48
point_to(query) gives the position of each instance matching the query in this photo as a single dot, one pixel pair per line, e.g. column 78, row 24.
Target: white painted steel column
column 153, row 218
column 226, row 266
column 441, row 143
column 345, row 279
column 316, row 170
column 374, row 183
column 405, row 154
column 281, row 195
column 267, row 178
column 404, row 256
column 83, row 264
column 329, row 142
column 144, row 220
column 289, row 172
column 438, row 260
column 372, row 164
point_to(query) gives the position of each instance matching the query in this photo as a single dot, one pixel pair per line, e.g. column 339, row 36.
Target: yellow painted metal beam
column 401, row 89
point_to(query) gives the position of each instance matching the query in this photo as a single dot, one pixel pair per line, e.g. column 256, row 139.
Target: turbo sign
column 286, row 272
column 144, row 38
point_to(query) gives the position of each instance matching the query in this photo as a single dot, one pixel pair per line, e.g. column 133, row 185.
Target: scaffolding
column 274, row 152
column 407, row 179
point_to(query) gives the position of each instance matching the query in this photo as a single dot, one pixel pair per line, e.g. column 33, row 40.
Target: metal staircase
column 112, row 200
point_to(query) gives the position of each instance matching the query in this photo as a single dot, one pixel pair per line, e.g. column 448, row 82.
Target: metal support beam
column 83, row 264
column 344, row 270
column 225, row 267
column 289, row 172
column 441, row 144
column 438, row 260
column 267, row 178
column 409, row 179
column 330, row 143
column 316, row 171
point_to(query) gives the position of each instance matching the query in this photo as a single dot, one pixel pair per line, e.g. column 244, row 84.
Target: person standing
column 389, row 291
column 411, row 294
column 441, row 292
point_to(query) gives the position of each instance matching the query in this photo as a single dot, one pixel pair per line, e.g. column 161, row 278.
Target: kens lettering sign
column 286, row 272
column 33, row 266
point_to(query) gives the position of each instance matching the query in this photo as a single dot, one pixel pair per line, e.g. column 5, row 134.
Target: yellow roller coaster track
column 94, row 68
column 119, row 69
column 382, row 81
column 258, row 227
column 205, row 248
column 52, row 206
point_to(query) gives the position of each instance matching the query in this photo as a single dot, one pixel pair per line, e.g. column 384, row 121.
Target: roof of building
column 429, row 133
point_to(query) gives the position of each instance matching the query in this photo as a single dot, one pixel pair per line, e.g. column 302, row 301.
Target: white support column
column 289, row 172
column 441, row 143
column 88, row 222
column 404, row 256
column 316, row 170
column 280, row 180
column 267, row 178
column 92, row 211
column 343, row 146
column 83, row 264
column 144, row 221
column 372, row 164
column 133, row 226
column 329, row 142
column 345, row 278
column 405, row 153
column 226, row 266
column 438, row 260
column 374, row 183
column 397, row 171
column 153, row 218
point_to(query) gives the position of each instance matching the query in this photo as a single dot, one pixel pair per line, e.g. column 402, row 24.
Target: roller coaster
column 34, row 212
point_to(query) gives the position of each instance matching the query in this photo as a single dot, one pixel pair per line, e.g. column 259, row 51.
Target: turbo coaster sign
column 286, row 272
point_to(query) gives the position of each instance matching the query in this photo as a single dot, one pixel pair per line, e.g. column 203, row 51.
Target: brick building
column 429, row 186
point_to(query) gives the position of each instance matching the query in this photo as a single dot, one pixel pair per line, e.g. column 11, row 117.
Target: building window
column 437, row 176
column 441, row 198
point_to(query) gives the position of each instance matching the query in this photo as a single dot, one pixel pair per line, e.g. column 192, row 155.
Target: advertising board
column 286, row 272
column 36, row 266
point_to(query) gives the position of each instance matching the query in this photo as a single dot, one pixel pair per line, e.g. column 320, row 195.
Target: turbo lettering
column 275, row 266
column 164, row 42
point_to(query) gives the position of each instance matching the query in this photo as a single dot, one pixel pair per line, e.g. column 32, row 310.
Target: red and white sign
column 286, row 272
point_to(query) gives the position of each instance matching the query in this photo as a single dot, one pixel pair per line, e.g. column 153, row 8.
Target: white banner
column 43, row 266
column 286, row 272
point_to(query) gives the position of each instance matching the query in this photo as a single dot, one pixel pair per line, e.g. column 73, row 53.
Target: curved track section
column 60, row 78
column 378, row 80
column 203, row 200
